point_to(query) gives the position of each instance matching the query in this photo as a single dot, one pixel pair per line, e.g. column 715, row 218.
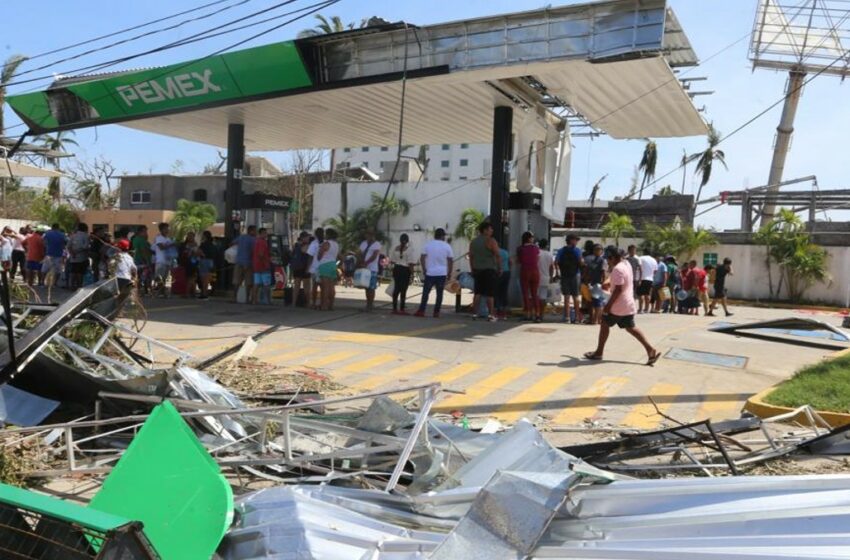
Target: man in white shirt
column 648, row 266
column 370, row 255
column 437, row 262
column 546, row 267
column 164, row 251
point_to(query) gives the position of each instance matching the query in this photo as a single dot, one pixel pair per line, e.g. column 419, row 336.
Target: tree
column 215, row 168
column 334, row 25
column 350, row 228
column 801, row 263
column 666, row 191
column 10, row 68
column 389, row 207
column 647, row 165
column 192, row 216
column 707, row 158
column 58, row 142
column 47, row 212
column 470, row 219
column 682, row 242
column 301, row 168
column 93, row 188
column 617, row 226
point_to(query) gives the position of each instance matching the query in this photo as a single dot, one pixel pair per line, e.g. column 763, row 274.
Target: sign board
column 261, row 201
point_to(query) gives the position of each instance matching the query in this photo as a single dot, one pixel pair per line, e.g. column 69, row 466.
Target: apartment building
column 446, row 162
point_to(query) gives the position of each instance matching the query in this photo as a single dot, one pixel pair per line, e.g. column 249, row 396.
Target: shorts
column 622, row 321
column 656, row 296
column 161, row 271
column 263, row 279
column 301, row 274
column 78, row 267
column 719, row 291
column 52, row 264
column 485, row 282
column 597, row 302
column 242, row 272
column 373, row 282
column 205, row 266
column 569, row 285
column 327, row 271
column 34, row 266
column 644, row 288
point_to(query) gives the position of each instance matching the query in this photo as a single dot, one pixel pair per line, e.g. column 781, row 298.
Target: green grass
column 825, row 386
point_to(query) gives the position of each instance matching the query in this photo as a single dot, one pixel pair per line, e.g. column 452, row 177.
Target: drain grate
column 707, row 358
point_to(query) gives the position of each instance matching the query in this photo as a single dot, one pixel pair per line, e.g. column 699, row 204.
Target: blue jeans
column 438, row 282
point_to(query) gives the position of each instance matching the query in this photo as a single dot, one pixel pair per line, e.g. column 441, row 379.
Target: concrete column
column 500, row 177
column 233, row 185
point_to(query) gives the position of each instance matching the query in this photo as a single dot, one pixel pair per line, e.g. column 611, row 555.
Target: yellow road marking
column 644, row 416
column 365, row 365
column 377, row 380
column 478, row 391
column 369, row 337
column 604, row 387
column 718, row 410
column 279, row 358
column 456, row 372
column 533, row 396
column 330, row 359
column 267, row 348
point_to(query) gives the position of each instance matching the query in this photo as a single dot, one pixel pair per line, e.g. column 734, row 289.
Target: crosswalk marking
column 643, row 416
column 455, row 373
column 286, row 356
column 365, row 365
column 718, row 410
column 533, row 396
column 270, row 348
column 376, row 381
column 597, row 393
column 478, row 391
column 365, row 338
column 331, row 358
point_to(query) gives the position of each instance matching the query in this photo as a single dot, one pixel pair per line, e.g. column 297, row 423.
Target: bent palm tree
column 706, row 159
column 647, row 165
column 10, row 68
column 470, row 219
column 58, row 143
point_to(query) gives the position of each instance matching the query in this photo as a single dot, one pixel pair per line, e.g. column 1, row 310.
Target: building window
column 346, row 150
column 444, row 179
column 384, row 149
column 709, row 259
column 464, row 163
column 464, row 146
column 446, row 147
column 140, row 197
column 199, row 195
column 444, row 163
column 365, row 148
column 462, row 178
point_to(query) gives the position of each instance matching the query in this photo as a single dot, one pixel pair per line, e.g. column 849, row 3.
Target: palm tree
column 192, row 216
column 58, row 143
column 706, row 159
column 391, row 206
column 647, row 165
column 617, row 226
column 470, row 219
column 335, row 25
column 666, row 191
column 350, row 227
column 10, row 68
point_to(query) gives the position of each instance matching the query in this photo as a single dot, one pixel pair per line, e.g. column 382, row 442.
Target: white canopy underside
column 10, row 168
column 627, row 99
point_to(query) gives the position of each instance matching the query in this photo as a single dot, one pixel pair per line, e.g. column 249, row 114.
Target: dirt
column 253, row 377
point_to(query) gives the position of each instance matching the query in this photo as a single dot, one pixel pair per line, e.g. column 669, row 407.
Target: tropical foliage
column 351, row 227
column 334, row 24
column 666, row 190
column 470, row 219
column 58, row 142
column 707, row 158
column 387, row 208
column 48, row 212
column 801, row 263
column 648, row 164
column 681, row 242
column 617, row 226
column 192, row 216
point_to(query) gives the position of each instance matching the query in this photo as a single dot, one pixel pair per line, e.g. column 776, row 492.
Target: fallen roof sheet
column 803, row 328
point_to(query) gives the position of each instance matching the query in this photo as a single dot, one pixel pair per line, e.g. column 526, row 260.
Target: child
column 122, row 265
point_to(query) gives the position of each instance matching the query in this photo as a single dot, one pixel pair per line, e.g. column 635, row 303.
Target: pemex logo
column 189, row 84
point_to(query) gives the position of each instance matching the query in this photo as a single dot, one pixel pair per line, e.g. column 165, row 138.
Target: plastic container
column 664, row 293
column 466, row 280
column 362, row 278
column 681, row 295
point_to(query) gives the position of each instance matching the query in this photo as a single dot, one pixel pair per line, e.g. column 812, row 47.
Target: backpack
column 568, row 264
column 298, row 262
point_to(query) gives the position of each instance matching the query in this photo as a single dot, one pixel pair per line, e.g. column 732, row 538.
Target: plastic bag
column 230, row 254
column 362, row 278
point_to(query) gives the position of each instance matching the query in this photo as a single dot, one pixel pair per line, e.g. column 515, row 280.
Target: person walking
column 621, row 308
column 19, row 254
column 485, row 263
column 78, row 255
column 370, row 253
column 648, row 266
column 313, row 266
column 327, row 270
column 503, row 287
column 437, row 261
column 594, row 267
column 243, row 271
column 723, row 272
column 54, row 243
column 143, row 258
column 403, row 265
column 34, row 246
column 261, row 269
column 207, row 254
column 659, row 281
column 527, row 256
column 546, row 269
column 164, row 250
column 570, row 264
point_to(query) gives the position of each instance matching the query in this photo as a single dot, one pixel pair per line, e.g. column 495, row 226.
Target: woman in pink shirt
column 527, row 256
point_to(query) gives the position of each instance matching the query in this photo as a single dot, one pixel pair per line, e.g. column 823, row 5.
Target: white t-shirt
column 648, row 266
column 162, row 256
column 437, row 255
column 374, row 248
column 313, row 250
column 544, row 261
column 124, row 266
column 331, row 254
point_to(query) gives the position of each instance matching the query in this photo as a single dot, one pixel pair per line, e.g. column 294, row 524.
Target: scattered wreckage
column 366, row 476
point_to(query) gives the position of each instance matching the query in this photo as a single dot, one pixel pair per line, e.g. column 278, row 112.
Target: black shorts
column 78, row 267
column 622, row 321
column 485, row 282
column 719, row 291
column 569, row 285
column 644, row 288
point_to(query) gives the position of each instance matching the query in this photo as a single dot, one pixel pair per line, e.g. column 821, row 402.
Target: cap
column 123, row 244
column 612, row 251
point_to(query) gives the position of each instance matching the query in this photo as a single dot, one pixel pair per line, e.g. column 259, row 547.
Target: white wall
column 477, row 158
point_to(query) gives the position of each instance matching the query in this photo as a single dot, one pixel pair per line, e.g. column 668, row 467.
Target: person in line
column 621, row 308
column 634, row 260
column 570, row 263
column 404, row 264
column 699, row 285
column 299, row 266
column 207, row 254
column 106, row 252
column 19, row 254
column 546, row 267
column 313, row 267
column 723, row 272
column 485, row 263
column 437, row 261
column 648, row 266
column 659, row 281
column 674, row 283
column 143, row 258
column 122, row 266
column 527, row 256
column 96, row 248
column 370, row 253
column 503, row 287
column 34, row 247
column 164, row 250
column 349, row 265
column 78, row 255
column 54, row 243
column 243, row 271
column 327, row 271
column 261, row 267
column 189, row 258
column 594, row 267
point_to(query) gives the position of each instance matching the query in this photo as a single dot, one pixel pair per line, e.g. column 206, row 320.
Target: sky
column 819, row 145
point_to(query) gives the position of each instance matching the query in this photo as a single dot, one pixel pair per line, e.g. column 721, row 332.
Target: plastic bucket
column 362, row 278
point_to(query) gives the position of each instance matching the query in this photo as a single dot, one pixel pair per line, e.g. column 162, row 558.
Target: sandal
column 654, row 358
column 592, row 356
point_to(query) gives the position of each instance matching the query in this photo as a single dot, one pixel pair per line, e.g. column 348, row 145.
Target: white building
column 446, row 162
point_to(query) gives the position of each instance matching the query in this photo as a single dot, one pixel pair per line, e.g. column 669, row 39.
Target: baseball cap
column 123, row 244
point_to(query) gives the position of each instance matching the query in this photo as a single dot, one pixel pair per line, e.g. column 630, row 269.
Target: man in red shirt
column 34, row 246
column 698, row 285
column 262, row 265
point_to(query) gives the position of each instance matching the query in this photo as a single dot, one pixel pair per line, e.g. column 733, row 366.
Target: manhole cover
column 707, row 358
column 540, row 330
